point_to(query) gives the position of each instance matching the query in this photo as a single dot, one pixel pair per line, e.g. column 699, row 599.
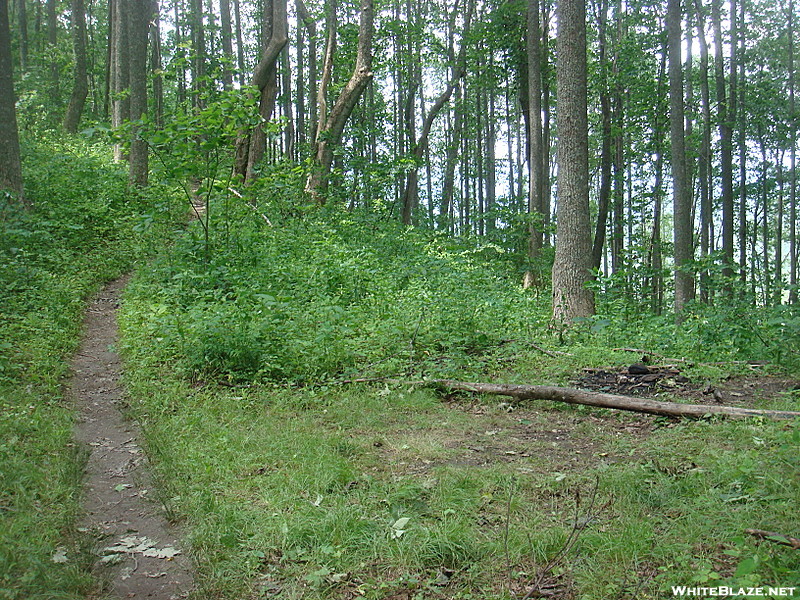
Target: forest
column 399, row 299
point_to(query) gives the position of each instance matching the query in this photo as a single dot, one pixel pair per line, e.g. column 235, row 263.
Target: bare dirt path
column 138, row 553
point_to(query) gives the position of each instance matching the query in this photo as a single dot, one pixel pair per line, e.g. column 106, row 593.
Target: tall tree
column 536, row 145
column 226, row 37
column 332, row 128
column 726, row 143
column 250, row 146
column 52, row 51
column 138, row 35
column 10, row 163
column 80, row 87
column 571, row 270
column 681, row 193
column 420, row 145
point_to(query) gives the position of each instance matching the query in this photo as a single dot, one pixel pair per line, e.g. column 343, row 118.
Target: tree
column 536, row 146
column 138, row 35
column 331, row 128
column 250, row 146
column 571, row 270
column 10, row 163
column 80, row 87
column 420, row 145
column 681, row 196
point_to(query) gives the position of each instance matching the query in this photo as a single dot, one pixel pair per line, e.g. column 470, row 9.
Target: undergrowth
column 85, row 228
column 297, row 484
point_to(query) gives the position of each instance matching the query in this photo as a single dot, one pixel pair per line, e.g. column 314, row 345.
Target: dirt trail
column 138, row 552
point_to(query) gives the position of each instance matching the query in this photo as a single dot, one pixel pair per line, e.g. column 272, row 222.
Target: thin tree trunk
column 52, row 43
column 333, row 129
column 704, row 156
column 604, row 193
column 537, row 149
column 792, row 163
column 250, row 145
column 23, row 35
column 239, row 44
column 121, row 108
column 155, row 63
column 726, row 147
column 226, row 35
column 421, row 144
column 10, row 163
column 80, row 88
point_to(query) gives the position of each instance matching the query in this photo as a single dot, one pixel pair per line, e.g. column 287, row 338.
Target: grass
column 292, row 485
column 85, row 229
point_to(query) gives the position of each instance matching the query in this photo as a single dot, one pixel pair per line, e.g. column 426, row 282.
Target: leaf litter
column 134, row 544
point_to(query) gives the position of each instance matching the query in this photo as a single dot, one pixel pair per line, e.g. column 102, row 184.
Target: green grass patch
column 295, row 486
column 85, row 229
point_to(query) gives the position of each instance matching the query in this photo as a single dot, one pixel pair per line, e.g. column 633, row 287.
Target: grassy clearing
column 85, row 229
column 295, row 486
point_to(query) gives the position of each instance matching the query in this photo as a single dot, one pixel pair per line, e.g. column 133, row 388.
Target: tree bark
column 604, row 193
column 572, row 298
column 155, row 63
column 10, row 163
column 226, row 35
column 250, row 145
column 704, row 156
column 600, row 400
column 726, row 147
column 120, row 107
column 681, row 193
column 333, row 128
column 536, row 146
column 138, row 31
column 80, row 88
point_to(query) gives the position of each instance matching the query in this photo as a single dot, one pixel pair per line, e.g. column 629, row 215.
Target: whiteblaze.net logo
column 734, row 592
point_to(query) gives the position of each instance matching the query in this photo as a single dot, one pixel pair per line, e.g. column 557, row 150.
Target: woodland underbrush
column 85, row 228
column 294, row 480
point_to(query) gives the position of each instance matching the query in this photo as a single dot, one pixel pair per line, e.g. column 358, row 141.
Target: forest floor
column 137, row 551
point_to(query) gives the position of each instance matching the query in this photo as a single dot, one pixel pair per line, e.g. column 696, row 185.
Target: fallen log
column 587, row 398
column 778, row 538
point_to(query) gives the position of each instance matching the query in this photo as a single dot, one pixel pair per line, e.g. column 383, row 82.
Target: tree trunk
column 121, row 107
column 138, row 33
column 572, row 299
column 792, row 162
column 23, row 35
column 10, row 164
column 52, row 51
column 226, row 35
column 726, row 147
column 684, row 282
column 704, row 156
column 155, row 63
column 333, row 128
column 604, row 193
column 80, row 88
column 250, row 145
column 197, row 28
column 536, row 146
column 420, row 145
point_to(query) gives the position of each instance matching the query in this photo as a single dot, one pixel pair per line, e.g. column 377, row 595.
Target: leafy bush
column 313, row 298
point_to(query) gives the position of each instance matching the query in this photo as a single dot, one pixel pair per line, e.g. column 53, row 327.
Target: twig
column 772, row 536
